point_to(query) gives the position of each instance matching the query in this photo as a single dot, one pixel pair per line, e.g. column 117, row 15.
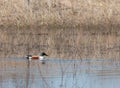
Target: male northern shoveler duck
column 41, row 57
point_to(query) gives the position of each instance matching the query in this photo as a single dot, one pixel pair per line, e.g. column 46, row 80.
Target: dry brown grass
column 62, row 28
column 59, row 12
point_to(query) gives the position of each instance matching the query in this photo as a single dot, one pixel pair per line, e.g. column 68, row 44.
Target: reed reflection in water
column 57, row 73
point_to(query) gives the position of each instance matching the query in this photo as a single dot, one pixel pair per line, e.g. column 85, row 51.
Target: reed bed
column 62, row 28
column 62, row 43
column 65, row 13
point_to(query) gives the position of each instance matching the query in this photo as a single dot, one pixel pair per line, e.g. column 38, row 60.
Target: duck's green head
column 43, row 54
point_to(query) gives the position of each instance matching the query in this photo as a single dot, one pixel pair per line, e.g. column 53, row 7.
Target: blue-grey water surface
column 59, row 73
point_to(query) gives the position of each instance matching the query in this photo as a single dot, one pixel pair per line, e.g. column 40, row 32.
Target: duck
column 40, row 57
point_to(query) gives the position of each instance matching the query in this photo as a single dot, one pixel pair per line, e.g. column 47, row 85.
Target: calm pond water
column 57, row 73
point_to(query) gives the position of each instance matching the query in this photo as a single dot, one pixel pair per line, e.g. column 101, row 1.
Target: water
column 57, row 73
